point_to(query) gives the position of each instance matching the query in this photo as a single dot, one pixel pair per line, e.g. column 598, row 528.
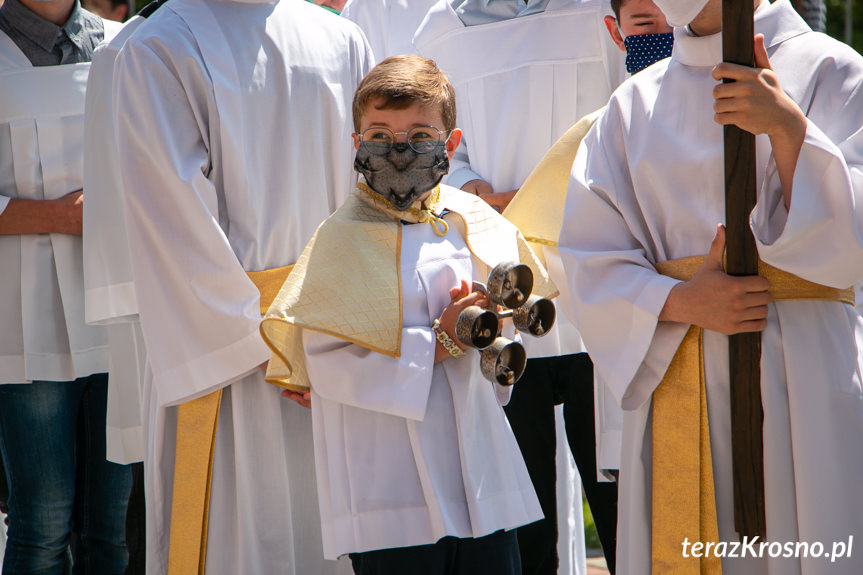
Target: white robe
column 109, row 294
column 234, row 137
column 647, row 186
column 411, row 451
column 389, row 25
column 520, row 84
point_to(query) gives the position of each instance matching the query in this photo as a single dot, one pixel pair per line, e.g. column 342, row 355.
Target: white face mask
column 680, row 12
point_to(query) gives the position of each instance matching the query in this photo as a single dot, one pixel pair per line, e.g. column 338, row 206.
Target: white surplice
column 647, row 186
column 109, row 294
column 409, row 451
column 520, row 84
column 389, row 25
column 234, row 143
column 41, row 158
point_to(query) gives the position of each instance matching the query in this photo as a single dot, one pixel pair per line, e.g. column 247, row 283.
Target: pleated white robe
column 647, row 186
column 234, row 138
column 389, row 25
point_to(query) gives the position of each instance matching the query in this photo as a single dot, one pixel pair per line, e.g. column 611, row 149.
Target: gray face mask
column 402, row 176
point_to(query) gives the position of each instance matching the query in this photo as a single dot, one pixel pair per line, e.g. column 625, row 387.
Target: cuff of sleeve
column 206, row 374
column 769, row 218
column 110, row 304
column 460, row 177
column 638, row 374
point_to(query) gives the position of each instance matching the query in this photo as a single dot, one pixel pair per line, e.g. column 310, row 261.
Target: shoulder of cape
column 462, row 202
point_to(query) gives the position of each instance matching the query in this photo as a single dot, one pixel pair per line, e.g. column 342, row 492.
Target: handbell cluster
column 509, row 286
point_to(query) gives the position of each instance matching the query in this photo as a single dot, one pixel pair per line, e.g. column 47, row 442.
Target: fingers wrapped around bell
column 503, row 361
column 535, row 317
column 510, row 284
column 476, row 327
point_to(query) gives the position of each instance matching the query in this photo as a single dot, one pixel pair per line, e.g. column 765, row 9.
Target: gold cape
column 347, row 282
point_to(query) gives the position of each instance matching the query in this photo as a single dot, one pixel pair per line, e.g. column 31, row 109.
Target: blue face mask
column 646, row 49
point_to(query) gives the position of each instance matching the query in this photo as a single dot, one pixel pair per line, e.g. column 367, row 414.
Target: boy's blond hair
column 401, row 81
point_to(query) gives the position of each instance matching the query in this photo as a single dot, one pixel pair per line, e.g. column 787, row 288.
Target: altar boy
column 418, row 470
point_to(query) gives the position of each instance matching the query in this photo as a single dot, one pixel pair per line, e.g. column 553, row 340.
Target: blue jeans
column 52, row 440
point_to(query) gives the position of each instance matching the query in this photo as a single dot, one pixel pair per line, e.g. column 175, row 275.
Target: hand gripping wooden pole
column 742, row 259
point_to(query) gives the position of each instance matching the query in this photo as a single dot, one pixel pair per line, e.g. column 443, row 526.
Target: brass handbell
column 503, row 361
column 509, row 286
column 476, row 327
column 535, row 317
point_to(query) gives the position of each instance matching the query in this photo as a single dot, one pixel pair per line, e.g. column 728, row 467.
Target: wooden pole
column 742, row 259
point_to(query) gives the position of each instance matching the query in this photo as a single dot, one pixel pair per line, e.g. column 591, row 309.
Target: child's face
column 415, row 116
column 637, row 17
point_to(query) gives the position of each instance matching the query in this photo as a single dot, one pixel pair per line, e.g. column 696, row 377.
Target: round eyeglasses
column 422, row 140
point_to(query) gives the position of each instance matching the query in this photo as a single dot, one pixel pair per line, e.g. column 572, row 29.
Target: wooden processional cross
column 742, row 259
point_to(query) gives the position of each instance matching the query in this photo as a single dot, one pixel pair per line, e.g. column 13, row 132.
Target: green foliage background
column 836, row 21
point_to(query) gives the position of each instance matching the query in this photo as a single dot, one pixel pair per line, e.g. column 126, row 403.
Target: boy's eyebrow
column 645, row 15
column 415, row 125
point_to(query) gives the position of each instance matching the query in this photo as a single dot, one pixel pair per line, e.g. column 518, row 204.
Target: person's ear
column 356, row 141
column 453, row 142
column 614, row 32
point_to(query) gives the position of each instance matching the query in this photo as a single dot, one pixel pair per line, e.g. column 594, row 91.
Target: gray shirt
column 46, row 44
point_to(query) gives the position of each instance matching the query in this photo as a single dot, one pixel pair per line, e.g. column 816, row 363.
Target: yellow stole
column 684, row 502
column 193, row 467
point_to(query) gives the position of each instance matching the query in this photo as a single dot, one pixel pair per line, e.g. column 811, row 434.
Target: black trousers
column 495, row 554
column 4, row 490
column 547, row 382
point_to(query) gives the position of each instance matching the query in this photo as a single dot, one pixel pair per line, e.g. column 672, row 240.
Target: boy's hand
column 462, row 298
column 304, row 399
column 755, row 102
column 499, row 201
column 481, row 188
column 717, row 301
column 477, row 187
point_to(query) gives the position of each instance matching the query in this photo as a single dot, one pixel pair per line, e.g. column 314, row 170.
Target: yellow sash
column 193, row 467
column 684, row 502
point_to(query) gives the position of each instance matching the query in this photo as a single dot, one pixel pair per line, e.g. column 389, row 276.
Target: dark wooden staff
column 742, row 259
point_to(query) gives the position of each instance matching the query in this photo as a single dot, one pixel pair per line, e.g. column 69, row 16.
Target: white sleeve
column 109, row 294
column 821, row 237
column 199, row 311
column 609, row 278
column 352, row 375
